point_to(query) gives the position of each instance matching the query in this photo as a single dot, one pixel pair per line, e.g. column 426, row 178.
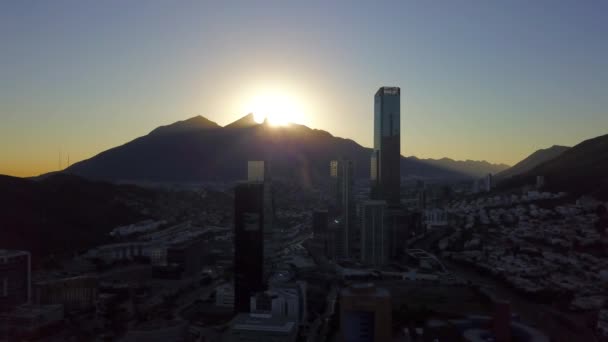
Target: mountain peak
column 193, row 124
column 246, row 121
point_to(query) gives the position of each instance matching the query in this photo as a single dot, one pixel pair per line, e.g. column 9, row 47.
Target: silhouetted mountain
column 62, row 213
column 196, row 123
column 582, row 169
column 212, row 153
column 473, row 168
column 244, row 122
column 533, row 160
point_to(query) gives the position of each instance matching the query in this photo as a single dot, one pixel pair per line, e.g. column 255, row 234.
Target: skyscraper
column 259, row 171
column 341, row 172
column 375, row 233
column 248, row 243
column 385, row 159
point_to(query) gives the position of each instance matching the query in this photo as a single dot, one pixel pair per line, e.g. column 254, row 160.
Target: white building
column 287, row 301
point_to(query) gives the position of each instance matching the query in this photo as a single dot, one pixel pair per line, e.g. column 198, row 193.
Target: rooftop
column 12, row 253
column 263, row 322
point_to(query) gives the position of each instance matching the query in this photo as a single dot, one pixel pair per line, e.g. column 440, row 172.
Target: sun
column 278, row 108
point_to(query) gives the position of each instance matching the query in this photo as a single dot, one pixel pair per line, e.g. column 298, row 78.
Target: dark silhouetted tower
column 385, row 159
column 341, row 172
column 248, row 243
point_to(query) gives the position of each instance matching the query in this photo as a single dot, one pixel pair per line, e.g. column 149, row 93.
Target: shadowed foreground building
column 342, row 173
column 259, row 171
column 375, row 233
column 15, row 278
column 248, row 243
column 365, row 314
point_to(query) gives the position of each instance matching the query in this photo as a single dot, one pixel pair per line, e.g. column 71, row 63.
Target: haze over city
column 480, row 80
column 255, row 171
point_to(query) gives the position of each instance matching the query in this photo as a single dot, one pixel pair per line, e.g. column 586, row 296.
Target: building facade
column 259, row 171
column 386, row 157
column 342, row 175
column 248, row 243
column 74, row 293
column 365, row 314
column 375, row 233
column 15, row 278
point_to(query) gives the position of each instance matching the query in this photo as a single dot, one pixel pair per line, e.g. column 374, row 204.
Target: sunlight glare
column 279, row 108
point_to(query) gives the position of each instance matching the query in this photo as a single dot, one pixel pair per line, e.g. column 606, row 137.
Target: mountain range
column 535, row 159
column 198, row 149
column 582, row 169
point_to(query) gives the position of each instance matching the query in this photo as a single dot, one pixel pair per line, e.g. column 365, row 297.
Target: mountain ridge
column 198, row 149
column 582, row 169
column 537, row 158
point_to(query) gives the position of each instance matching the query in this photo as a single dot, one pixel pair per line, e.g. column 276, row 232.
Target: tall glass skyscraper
column 342, row 172
column 385, row 160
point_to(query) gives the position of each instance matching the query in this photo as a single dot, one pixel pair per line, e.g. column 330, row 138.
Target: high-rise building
column 15, row 278
column 341, row 172
column 375, row 233
column 386, row 157
column 259, row 171
column 365, row 314
column 397, row 219
column 488, row 183
column 248, row 243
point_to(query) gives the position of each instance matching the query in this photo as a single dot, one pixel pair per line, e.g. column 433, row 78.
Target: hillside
column 199, row 150
column 532, row 161
column 582, row 169
column 473, row 168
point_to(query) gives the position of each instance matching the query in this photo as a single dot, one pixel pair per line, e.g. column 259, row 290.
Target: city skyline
column 81, row 79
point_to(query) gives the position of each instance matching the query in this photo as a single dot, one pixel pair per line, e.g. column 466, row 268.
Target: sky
column 481, row 80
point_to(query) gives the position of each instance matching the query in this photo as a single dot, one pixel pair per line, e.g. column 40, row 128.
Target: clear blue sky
column 491, row 80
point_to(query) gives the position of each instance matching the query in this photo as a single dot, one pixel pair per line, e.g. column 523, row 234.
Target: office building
column 365, row 314
column 261, row 328
column 248, row 242
column 15, row 278
column 488, row 183
column 375, row 233
column 341, row 172
column 259, row 171
column 397, row 220
column 287, row 300
column 386, row 157
column 74, row 293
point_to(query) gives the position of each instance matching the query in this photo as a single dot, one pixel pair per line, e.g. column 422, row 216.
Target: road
column 322, row 322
